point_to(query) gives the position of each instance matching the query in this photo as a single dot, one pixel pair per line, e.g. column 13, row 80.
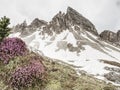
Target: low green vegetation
column 58, row 76
column 4, row 29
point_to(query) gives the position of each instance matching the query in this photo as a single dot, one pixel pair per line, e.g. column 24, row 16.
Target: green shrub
column 4, row 29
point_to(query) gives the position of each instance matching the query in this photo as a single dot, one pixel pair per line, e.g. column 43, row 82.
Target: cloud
column 44, row 9
column 103, row 13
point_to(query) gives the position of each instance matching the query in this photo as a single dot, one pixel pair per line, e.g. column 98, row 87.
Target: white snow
column 15, row 34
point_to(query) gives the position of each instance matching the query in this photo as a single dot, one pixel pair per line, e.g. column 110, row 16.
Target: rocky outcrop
column 58, row 23
column 112, row 76
column 63, row 21
column 36, row 23
column 112, row 69
column 111, row 37
column 28, row 29
column 20, row 27
column 75, row 18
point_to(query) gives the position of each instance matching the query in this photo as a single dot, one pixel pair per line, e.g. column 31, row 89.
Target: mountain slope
column 73, row 39
column 58, row 76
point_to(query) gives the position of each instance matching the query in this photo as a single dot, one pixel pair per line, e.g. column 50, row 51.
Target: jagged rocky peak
column 28, row 29
column 72, row 18
column 20, row 27
column 37, row 23
column 59, row 17
column 60, row 22
column 110, row 36
column 76, row 18
column 24, row 24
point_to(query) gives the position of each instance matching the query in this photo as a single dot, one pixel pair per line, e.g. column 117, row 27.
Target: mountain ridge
column 112, row 37
column 68, row 18
column 63, row 21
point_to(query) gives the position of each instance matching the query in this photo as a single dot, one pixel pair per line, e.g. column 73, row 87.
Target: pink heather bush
column 25, row 76
column 11, row 47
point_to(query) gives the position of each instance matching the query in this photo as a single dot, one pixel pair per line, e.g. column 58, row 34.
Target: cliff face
column 76, row 18
column 110, row 36
column 63, row 21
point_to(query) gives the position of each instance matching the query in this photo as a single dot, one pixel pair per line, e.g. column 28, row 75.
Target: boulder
column 112, row 76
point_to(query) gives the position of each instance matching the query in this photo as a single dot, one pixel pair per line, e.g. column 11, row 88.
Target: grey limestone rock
column 36, row 23
column 112, row 76
column 110, row 36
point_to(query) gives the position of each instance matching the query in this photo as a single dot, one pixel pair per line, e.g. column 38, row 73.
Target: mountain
column 71, row 38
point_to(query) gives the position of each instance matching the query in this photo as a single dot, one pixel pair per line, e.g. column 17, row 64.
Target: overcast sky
column 104, row 14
